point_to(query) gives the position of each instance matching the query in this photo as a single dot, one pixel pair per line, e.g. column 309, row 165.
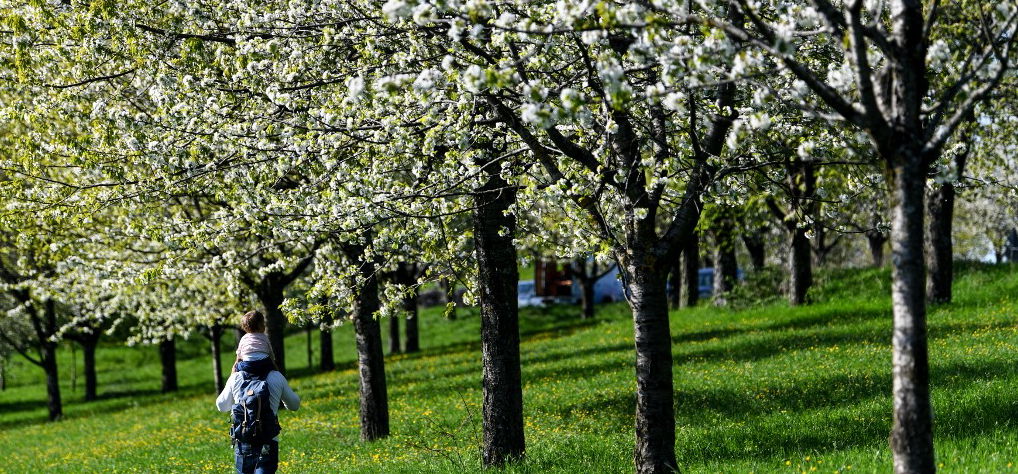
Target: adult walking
column 253, row 384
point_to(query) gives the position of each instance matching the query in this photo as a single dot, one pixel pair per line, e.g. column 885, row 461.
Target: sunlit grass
column 766, row 389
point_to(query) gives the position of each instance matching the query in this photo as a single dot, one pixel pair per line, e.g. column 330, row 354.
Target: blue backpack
column 254, row 421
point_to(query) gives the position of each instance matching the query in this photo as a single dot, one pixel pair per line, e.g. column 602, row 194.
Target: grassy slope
column 765, row 389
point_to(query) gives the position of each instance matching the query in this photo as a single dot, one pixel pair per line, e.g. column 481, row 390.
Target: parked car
column 705, row 281
column 563, row 288
column 608, row 289
column 526, row 294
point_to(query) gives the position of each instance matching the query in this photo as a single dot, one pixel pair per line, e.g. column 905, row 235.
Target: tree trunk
column 450, row 297
column 374, row 398
column 168, row 359
column 406, row 274
column 587, row 297
column 912, row 432
column 49, row 360
column 726, row 267
column 394, row 335
column 216, row 338
column 821, row 247
column 1011, row 246
column 74, row 369
column 271, row 298
column 655, row 414
column 800, row 267
column 328, row 361
column 756, row 247
column 586, row 273
column 876, row 241
column 88, row 345
column 691, row 268
column 676, row 271
column 940, row 249
column 49, row 365
column 500, row 336
column 311, row 350
column 413, row 339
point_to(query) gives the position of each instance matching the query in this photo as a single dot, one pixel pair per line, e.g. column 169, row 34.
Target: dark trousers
column 257, row 459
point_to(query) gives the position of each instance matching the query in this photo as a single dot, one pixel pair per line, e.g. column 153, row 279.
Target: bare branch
column 91, row 80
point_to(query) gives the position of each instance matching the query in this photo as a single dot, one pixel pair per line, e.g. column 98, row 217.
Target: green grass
column 766, row 389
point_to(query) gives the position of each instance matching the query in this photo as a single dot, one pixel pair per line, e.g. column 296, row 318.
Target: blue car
column 608, row 289
column 705, row 281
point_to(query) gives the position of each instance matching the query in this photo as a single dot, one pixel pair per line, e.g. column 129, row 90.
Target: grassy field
column 764, row 389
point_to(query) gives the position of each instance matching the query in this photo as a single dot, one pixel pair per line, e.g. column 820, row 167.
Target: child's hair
column 252, row 321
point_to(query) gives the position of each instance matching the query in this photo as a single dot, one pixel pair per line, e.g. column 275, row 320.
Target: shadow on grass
column 109, row 401
column 558, row 320
column 561, row 328
column 21, row 405
column 729, row 423
column 297, row 373
column 747, row 344
column 558, row 324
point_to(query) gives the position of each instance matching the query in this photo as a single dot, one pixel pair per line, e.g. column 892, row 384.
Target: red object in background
column 552, row 279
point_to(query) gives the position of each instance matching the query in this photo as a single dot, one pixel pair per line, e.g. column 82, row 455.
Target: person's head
column 252, row 321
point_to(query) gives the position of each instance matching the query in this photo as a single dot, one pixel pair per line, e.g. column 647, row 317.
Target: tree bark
column 1010, row 252
column 821, row 247
column 726, row 266
column 374, row 398
column 587, row 309
column 88, row 346
column 876, row 241
column 801, row 181
column 940, row 249
column 691, row 268
column 328, row 360
column 727, row 273
column 756, row 247
column 655, row 414
column 800, row 265
column 216, row 338
column 675, row 273
column 406, row 274
column 271, row 297
column 49, row 364
column 48, row 361
column 270, row 288
column 498, row 278
column 413, row 337
column 74, row 369
column 912, row 431
column 311, row 351
column 394, row 345
column 168, row 359
column 587, row 277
